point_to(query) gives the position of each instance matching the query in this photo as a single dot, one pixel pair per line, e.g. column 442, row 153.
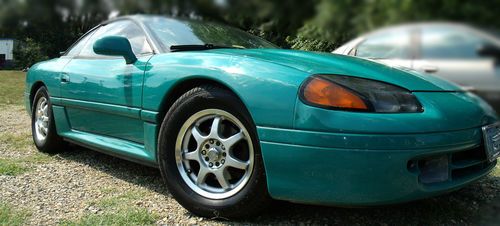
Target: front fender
column 268, row 90
column 47, row 73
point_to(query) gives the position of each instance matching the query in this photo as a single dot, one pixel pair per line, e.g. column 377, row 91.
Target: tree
column 27, row 53
column 319, row 25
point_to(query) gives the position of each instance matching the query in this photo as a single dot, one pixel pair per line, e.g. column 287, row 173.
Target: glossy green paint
column 371, row 141
column 268, row 90
column 115, row 46
column 140, row 153
column 350, row 177
column 268, row 80
column 47, row 73
column 102, row 92
column 310, row 154
column 443, row 111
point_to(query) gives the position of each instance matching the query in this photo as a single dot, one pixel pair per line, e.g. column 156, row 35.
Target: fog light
column 434, row 170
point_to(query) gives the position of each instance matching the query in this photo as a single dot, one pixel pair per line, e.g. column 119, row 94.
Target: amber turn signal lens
column 328, row 94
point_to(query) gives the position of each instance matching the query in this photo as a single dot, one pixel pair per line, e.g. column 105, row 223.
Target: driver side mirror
column 115, row 46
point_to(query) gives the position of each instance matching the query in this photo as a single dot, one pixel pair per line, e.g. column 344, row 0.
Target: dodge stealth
column 233, row 122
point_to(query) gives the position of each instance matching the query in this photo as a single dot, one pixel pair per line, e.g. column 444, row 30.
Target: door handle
column 64, row 78
column 430, row 69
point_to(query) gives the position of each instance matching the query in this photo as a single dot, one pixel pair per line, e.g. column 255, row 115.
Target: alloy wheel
column 42, row 119
column 214, row 154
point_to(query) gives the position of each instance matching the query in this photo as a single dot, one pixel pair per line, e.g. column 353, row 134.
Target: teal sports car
column 233, row 122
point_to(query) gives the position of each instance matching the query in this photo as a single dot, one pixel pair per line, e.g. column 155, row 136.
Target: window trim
column 91, row 32
column 142, row 28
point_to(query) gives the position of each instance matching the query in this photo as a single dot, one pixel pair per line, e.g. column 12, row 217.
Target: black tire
column 52, row 143
column 252, row 198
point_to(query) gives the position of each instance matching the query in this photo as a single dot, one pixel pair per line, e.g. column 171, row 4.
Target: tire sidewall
column 45, row 144
column 174, row 120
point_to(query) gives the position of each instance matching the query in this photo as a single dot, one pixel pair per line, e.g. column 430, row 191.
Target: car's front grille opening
column 449, row 167
column 475, row 154
column 434, row 170
column 467, row 171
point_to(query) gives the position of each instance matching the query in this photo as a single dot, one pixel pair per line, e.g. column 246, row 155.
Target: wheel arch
column 34, row 88
column 184, row 85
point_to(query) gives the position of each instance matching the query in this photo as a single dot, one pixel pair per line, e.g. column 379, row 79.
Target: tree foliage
column 28, row 52
column 319, row 25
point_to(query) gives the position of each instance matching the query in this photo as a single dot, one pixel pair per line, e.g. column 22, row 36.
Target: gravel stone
column 76, row 183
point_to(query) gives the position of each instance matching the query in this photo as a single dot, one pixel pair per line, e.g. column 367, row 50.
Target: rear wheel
column 43, row 128
column 210, row 156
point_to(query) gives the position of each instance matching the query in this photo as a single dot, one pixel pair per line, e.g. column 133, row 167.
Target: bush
column 309, row 44
column 28, row 52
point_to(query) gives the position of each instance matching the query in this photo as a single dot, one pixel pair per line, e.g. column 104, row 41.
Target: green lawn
column 23, row 144
column 127, row 216
column 11, row 87
column 10, row 216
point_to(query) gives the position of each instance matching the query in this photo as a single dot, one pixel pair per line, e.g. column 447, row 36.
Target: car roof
column 416, row 25
column 419, row 25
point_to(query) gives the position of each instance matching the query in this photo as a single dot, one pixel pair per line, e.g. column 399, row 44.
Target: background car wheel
column 43, row 128
column 210, row 156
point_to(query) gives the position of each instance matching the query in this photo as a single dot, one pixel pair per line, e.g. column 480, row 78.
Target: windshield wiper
column 178, row 48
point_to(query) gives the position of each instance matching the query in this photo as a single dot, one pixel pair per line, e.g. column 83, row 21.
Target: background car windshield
column 393, row 44
column 171, row 32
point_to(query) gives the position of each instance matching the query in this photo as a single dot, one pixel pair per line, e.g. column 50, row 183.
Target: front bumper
column 366, row 169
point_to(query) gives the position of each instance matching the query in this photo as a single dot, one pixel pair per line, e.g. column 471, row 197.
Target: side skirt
column 144, row 154
column 111, row 146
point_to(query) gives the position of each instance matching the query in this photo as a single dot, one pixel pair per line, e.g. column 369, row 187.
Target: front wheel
column 210, row 156
column 43, row 128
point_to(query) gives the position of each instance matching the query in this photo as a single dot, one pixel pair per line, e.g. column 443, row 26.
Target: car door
column 103, row 95
column 450, row 52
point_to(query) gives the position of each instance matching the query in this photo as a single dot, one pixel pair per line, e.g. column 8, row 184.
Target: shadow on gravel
column 143, row 176
column 478, row 203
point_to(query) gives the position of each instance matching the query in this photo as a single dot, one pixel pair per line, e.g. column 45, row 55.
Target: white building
column 6, row 51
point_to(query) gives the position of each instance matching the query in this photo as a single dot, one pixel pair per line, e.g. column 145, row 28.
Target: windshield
column 171, row 32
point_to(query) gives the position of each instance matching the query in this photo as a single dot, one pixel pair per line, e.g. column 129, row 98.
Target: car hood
column 327, row 63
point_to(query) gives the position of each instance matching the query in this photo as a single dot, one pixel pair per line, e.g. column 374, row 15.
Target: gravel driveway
column 85, row 187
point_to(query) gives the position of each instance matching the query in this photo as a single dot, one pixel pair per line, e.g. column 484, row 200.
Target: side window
column 75, row 49
column 450, row 43
column 123, row 28
column 392, row 44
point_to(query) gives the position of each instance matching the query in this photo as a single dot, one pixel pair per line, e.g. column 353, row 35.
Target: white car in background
column 456, row 52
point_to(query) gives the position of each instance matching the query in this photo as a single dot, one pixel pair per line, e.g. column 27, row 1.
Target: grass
column 17, row 141
column 20, row 143
column 11, row 87
column 14, row 167
column 121, row 200
column 130, row 216
column 11, row 167
column 117, row 210
column 496, row 170
column 12, row 217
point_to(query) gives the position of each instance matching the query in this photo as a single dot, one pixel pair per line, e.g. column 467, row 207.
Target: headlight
column 357, row 94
